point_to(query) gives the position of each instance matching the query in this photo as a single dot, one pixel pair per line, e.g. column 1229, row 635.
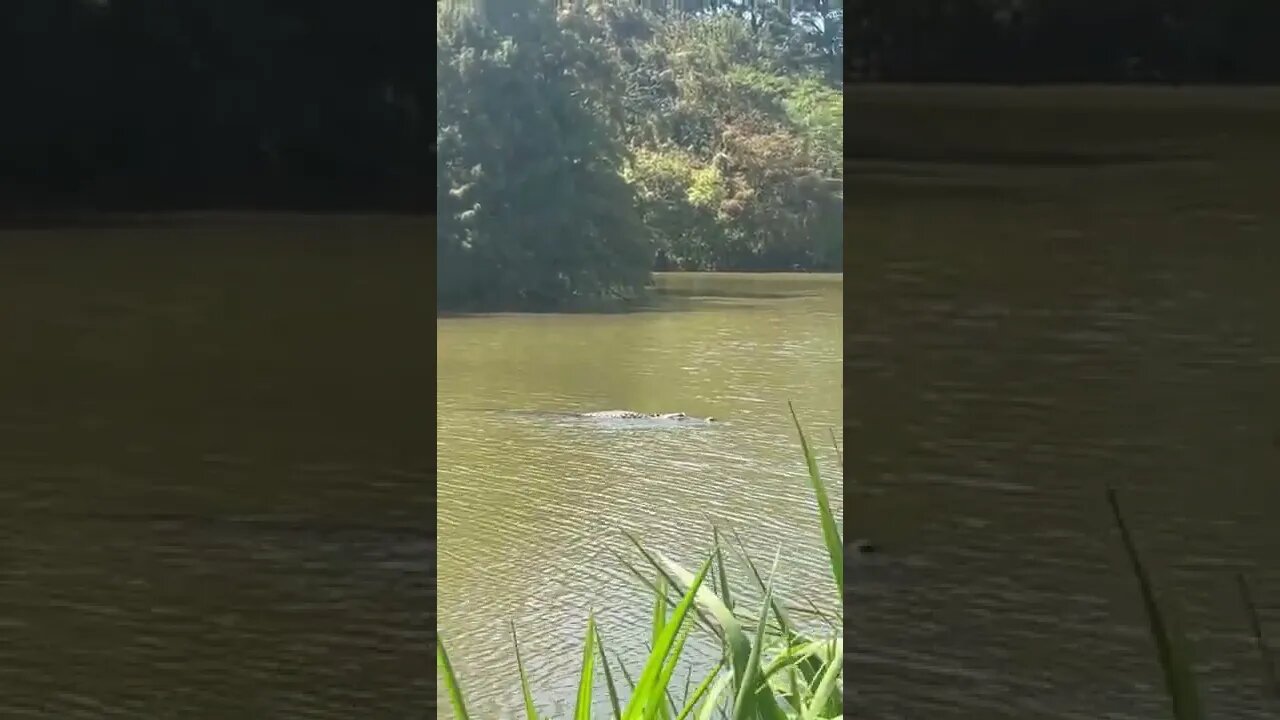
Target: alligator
column 633, row 415
column 626, row 417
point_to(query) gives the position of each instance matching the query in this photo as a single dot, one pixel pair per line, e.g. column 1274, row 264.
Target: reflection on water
column 212, row 473
column 1011, row 354
column 532, row 508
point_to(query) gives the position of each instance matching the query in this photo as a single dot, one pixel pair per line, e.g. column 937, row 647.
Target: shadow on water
column 659, row 299
column 735, row 293
column 1007, row 359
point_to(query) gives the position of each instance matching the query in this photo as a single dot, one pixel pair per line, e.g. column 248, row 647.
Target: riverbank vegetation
column 581, row 147
column 771, row 666
column 1036, row 41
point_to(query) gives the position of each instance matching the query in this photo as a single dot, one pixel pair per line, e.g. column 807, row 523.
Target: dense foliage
column 533, row 208
column 579, row 147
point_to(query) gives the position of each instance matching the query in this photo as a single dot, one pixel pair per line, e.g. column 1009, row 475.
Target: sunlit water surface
column 532, row 508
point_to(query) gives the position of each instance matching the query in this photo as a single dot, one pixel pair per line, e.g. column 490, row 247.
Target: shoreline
column 1147, row 96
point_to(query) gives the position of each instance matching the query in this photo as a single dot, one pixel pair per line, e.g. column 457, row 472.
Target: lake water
column 214, row 460
column 215, row 466
column 1049, row 292
column 532, row 508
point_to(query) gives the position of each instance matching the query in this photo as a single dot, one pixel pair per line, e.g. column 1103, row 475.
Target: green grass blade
column 793, row 681
column 1255, row 625
column 608, row 677
column 799, row 651
column 664, row 678
column 659, row 609
column 754, row 699
column 451, row 682
column 730, row 629
column 530, row 712
column 691, row 701
column 830, row 529
column 821, row 705
column 827, row 618
column 836, row 445
column 648, row 648
column 784, row 621
column 810, row 667
column 699, row 616
column 658, row 622
column 720, row 569
column 712, row 701
column 688, row 683
column 586, row 681
column 1178, row 676
column 648, row 694
column 781, row 677
column 800, row 666
column 626, row 674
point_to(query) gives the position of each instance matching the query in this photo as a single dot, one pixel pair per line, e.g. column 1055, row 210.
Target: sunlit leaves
column 576, row 142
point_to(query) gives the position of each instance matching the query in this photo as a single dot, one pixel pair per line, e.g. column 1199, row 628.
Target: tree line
column 1030, row 41
column 582, row 146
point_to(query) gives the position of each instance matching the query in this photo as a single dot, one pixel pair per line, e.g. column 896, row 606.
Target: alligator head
column 682, row 416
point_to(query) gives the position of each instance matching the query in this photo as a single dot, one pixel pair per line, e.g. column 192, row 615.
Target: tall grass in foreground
column 1179, row 681
column 1171, row 645
column 769, row 669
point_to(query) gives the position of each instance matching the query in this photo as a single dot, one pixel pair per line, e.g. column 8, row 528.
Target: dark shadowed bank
column 143, row 105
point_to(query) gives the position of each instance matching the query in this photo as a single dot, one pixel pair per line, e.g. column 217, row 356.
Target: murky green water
column 529, row 508
column 1058, row 291
column 214, row 469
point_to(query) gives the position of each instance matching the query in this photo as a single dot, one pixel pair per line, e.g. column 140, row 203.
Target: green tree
column 534, row 211
column 738, row 141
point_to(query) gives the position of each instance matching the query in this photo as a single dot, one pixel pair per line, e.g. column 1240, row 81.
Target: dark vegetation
column 144, row 105
column 1031, row 41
